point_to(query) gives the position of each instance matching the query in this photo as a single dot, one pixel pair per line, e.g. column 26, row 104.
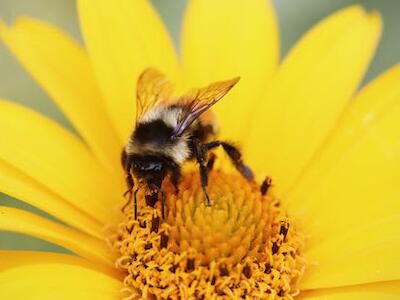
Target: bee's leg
column 175, row 177
column 130, row 184
column 211, row 161
column 235, row 156
column 200, row 157
column 204, row 182
column 135, row 203
column 162, row 203
column 126, row 164
column 128, row 201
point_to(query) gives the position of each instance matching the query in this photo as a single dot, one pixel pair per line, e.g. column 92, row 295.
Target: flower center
column 244, row 245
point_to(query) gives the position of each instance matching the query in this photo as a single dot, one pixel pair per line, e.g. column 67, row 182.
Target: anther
column 284, row 228
column 247, row 271
column 155, row 223
column 267, row 183
column 190, row 265
column 143, row 224
column 275, row 248
column 267, row 269
column 163, row 240
column 223, row 270
column 173, row 268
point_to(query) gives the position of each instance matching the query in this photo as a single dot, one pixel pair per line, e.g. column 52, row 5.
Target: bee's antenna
column 135, row 203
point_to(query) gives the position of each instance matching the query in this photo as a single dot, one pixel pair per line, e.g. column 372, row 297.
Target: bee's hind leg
column 201, row 159
column 235, row 156
column 211, row 162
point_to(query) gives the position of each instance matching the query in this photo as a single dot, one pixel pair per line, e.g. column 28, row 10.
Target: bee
column 170, row 131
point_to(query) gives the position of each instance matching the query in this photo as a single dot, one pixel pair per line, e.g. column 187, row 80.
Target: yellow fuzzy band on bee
column 244, row 245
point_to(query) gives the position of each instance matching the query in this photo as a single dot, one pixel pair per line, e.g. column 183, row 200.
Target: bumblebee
column 170, row 131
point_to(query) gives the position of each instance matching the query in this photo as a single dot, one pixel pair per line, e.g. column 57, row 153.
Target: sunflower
column 327, row 228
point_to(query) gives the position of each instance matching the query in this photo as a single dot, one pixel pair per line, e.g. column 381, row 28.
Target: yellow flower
column 332, row 151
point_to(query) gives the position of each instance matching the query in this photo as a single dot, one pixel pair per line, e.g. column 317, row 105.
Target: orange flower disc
column 244, row 245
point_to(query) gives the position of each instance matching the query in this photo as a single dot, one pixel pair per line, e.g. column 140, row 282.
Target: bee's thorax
column 153, row 132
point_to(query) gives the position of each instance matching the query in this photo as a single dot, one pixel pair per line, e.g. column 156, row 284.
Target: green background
column 295, row 17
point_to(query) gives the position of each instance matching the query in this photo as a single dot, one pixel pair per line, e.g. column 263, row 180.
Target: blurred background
column 295, row 17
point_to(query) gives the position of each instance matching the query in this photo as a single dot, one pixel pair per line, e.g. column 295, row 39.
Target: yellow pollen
column 243, row 246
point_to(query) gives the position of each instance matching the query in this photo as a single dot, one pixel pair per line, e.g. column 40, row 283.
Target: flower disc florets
column 243, row 246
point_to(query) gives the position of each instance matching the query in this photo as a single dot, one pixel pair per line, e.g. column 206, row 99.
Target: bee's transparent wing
column 200, row 100
column 153, row 87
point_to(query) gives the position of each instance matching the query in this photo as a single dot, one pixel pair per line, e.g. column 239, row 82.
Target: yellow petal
column 22, row 187
column 124, row 37
column 372, row 291
column 357, row 256
column 57, row 281
column 355, row 177
column 58, row 160
column 309, row 93
column 16, row 220
column 11, row 259
column 351, row 188
column 63, row 69
column 228, row 38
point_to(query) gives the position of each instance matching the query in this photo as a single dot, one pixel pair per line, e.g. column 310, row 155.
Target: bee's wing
column 200, row 100
column 153, row 87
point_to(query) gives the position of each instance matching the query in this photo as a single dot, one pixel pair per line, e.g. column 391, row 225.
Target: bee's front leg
column 135, row 203
column 130, row 185
column 200, row 155
column 175, row 177
column 126, row 162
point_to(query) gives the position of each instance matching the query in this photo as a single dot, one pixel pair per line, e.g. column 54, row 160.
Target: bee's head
column 150, row 168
